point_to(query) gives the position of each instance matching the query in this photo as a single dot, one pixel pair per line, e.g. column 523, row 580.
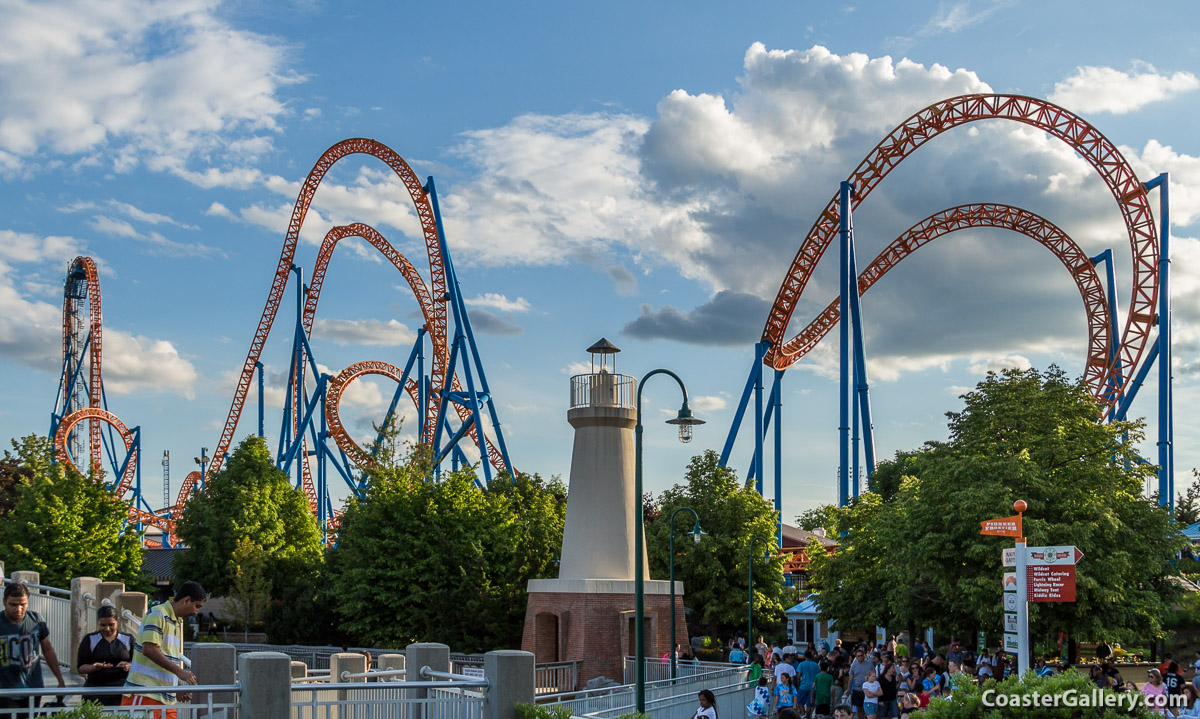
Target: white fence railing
column 731, row 701
column 388, row 700
column 591, row 701
column 659, row 669
column 56, row 612
column 202, row 703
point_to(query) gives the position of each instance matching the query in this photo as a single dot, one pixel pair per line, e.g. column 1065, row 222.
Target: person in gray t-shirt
column 859, row 669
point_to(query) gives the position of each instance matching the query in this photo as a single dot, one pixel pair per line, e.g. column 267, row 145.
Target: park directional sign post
column 1016, row 617
column 1043, row 574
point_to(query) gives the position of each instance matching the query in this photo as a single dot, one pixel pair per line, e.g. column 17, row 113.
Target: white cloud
column 28, row 248
column 93, row 80
column 707, row 404
column 1104, row 89
column 31, row 329
column 499, row 302
column 136, row 363
column 998, row 364
column 364, row 332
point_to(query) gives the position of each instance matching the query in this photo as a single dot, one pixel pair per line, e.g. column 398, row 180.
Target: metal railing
column 42, row 588
column 56, row 613
column 203, row 703
column 590, row 701
column 731, row 701
column 603, row 390
column 556, row 677
column 458, row 698
column 659, row 669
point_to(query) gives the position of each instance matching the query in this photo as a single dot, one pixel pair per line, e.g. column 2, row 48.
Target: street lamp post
column 685, row 421
column 696, row 534
column 750, row 583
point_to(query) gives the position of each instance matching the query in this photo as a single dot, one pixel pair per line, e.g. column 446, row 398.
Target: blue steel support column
column 758, row 428
column 847, row 229
column 463, row 325
column 855, row 470
column 777, row 397
column 863, row 390
column 760, row 351
column 1114, row 327
column 262, row 432
column 1166, row 470
column 1136, row 384
column 298, row 376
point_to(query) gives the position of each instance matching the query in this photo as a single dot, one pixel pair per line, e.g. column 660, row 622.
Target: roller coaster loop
column 434, row 391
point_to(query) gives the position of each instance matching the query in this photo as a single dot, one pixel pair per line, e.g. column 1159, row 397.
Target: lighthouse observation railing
column 603, row 389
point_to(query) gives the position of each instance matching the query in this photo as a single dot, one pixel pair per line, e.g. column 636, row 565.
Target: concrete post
column 510, row 676
column 214, row 664
column 418, row 656
column 28, row 578
column 135, row 602
column 391, row 663
column 266, row 685
column 109, row 591
column 299, row 670
column 83, row 614
column 348, row 662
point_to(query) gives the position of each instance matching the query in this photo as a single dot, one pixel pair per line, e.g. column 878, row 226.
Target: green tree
column 819, row 517
column 1022, row 435
column 249, row 499
column 715, row 571
column 249, row 588
column 444, row 560
column 1187, row 508
column 63, row 524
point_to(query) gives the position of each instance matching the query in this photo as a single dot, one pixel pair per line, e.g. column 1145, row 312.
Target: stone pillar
column 83, row 614
column 510, row 682
column 266, row 683
column 135, row 602
column 109, row 591
column 418, row 656
column 28, row 578
column 391, row 663
column 214, row 664
column 350, row 662
column 299, row 670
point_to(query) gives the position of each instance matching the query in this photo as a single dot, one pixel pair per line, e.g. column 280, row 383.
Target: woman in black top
column 104, row 656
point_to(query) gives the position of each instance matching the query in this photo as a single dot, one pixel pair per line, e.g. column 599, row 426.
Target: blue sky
column 638, row 171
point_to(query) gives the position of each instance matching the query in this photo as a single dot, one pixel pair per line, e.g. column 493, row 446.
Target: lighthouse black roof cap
column 603, row 347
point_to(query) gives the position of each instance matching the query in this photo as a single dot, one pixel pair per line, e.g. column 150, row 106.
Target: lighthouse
column 587, row 613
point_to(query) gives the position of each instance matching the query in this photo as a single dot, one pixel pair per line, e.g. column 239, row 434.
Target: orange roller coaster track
column 998, row 216
column 433, row 301
column 923, row 126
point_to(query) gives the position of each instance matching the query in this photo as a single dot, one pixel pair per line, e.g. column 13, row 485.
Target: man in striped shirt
column 158, row 650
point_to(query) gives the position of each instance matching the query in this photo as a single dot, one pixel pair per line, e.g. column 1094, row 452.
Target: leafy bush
column 87, row 710
column 968, row 700
column 533, row 711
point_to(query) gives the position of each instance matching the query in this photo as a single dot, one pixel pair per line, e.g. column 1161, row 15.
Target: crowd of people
column 871, row 681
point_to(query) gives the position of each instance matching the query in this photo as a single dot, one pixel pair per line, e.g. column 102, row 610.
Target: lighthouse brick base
column 592, row 621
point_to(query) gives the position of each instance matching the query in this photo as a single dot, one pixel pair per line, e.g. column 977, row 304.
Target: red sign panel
column 1002, row 526
column 1050, row 584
